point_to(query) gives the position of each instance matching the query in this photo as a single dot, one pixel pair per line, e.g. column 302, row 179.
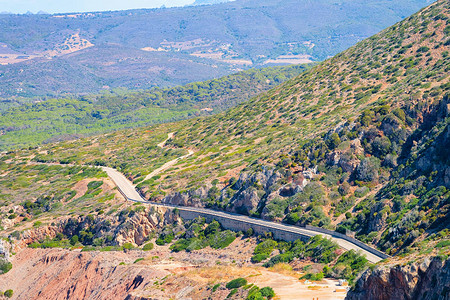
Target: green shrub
column 180, row 245
column 361, row 191
column 8, row 293
column 349, row 265
column 5, row 266
column 74, row 240
column 442, row 244
column 138, row 260
column 321, row 249
column 313, row 277
column 111, row 248
column 265, row 247
column 148, row 247
column 259, row 257
column 423, row 49
column 267, row 292
column 212, row 228
column 234, row 291
column 236, row 283
column 249, row 232
column 215, row 287
column 94, row 185
column 221, row 239
column 334, row 141
column 381, row 146
column 292, row 218
column 128, row 246
column 160, row 242
column 286, row 257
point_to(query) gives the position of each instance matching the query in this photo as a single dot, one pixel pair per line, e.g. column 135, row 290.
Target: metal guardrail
column 349, row 239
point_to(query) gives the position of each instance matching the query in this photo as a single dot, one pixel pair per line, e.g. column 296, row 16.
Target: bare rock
column 425, row 280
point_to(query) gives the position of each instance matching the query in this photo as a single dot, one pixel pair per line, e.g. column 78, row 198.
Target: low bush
column 5, row 266
column 259, row 258
column 221, row 239
column 313, row 277
column 215, row 287
column 233, row 291
column 236, row 283
column 267, row 292
column 442, row 244
column 128, row 246
column 148, row 247
column 8, row 293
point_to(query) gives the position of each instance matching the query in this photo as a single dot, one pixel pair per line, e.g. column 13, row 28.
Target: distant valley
column 80, row 53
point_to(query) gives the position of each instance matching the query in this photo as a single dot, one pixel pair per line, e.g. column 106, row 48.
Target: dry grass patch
column 209, row 275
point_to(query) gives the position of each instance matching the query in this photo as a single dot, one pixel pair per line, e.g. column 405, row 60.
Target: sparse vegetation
column 357, row 145
column 148, row 247
column 236, row 283
column 5, row 266
column 8, row 293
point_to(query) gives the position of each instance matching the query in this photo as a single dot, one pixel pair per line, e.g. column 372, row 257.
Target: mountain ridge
column 86, row 52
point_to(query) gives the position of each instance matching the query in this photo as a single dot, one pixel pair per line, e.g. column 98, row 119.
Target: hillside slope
column 366, row 129
column 69, row 118
column 358, row 144
column 79, row 53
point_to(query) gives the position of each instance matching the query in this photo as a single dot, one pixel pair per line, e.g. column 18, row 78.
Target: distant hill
column 88, row 52
column 206, row 2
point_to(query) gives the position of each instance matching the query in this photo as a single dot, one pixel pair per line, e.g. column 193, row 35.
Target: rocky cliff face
column 129, row 226
column 137, row 228
column 425, row 280
column 63, row 274
column 248, row 193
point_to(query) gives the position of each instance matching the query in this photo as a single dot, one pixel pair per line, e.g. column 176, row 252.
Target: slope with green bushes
column 354, row 144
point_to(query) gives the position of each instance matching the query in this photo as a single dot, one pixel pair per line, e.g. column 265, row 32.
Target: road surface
column 127, row 189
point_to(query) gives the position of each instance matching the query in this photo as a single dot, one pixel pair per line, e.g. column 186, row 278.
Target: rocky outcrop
column 262, row 185
column 190, row 198
column 132, row 226
column 62, row 274
column 376, row 218
column 248, row 191
column 38, row 234
column 424, row 280
column 4, row 250
column 347, row 159
column 136, row 229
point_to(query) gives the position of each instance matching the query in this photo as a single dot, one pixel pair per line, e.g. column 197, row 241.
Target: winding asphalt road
column 128, row 190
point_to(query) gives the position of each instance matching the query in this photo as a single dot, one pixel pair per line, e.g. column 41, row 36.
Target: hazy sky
column 58, row 6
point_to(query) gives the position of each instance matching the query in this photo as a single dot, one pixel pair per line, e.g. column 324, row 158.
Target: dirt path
column 168, row 164
column 290, row 288
column 169, row 136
